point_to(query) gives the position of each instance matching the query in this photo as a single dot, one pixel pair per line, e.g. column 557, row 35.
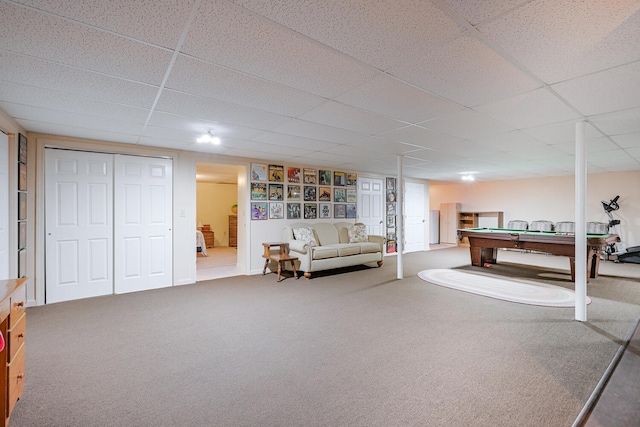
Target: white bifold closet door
column 143, row 221
column 4, row 206
column 79, row 225
column 108, row 224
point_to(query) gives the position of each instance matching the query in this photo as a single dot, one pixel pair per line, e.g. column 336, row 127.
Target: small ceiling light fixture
column 208, row 137
column 468, row 178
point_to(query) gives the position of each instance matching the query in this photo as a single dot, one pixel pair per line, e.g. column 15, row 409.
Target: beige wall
column 213, row 207
column 551, row 198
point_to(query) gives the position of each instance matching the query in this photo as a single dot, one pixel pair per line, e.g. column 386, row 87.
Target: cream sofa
column 333, row 249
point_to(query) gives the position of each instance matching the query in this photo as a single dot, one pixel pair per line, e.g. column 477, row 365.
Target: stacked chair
column 517, row 225
column 565, row 227
column 541, row 225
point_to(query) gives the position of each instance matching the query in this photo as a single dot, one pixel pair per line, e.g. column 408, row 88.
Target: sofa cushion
column 358, row 233
column 323, row 252
column 305, row 234
column 369, row 247
column 346, row 250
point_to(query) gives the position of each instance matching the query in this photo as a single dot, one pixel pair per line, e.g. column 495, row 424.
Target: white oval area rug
column 520, row 291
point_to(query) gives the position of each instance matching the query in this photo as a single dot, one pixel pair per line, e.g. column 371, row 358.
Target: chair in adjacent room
column 565, row 227
column 541, row 225
column 517, row 225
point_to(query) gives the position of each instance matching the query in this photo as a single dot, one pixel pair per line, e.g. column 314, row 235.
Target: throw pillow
column 306, row 235
column 358, row 234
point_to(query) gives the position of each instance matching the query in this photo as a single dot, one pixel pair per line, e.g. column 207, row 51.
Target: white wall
column 551, row 198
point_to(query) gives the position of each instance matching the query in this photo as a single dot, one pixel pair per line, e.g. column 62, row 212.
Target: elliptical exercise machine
column 631, row 254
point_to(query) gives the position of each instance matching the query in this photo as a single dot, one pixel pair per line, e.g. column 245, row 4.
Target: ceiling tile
column 45, row 115
column 45, row 98
column 233, row 37
column 614, row 89
column 628, row 140
column 419, row 136
column 557, row 133
column 66, row 42
column 293, row 141
column 351, row 118
column 319, row 131
column 157, row 22
column 389, row 97
column 198, row 126
column 78, row 132
column 361, row 28
column 560, row 40
column 61, row 78
column 466, row 124
column 466, row 71
column 618, row 122
column 476, row 12
column 196, row 77
column 535, row 108
column 218, row 111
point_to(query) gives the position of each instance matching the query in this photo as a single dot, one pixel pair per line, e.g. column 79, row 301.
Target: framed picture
column 339, row 211
column 339, row 195
column 258, row 172
column 22, row 263
column 391, row 234
column 259, row 210
column 309, row 176
column 276, row 192
column 22, row 148
column 22, row 206
column 258, row 191
column 22, row 235
column 293, row 174
column 325, row 210
column 391, row 195
column 391, row 246
column 324, row 177
column 391, row 183
column 351, row 210
column 310, row 193
column 276, row 210
column 22, row 177
column 324, row 194
column 391, row 208
column 293, row 210
column 352, row 180
column 391, row 221
column 351, row 196
column 310, row 211
column 276, row 173
column 339, row 179
column 293, row 192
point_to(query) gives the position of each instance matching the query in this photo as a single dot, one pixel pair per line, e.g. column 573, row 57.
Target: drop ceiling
column 454, row 86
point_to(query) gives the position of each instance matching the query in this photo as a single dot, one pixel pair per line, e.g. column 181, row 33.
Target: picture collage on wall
column 22, row 205
column 391, row 200
column 301, row 193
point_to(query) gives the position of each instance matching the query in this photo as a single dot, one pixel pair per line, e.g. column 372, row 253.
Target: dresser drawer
column 18, row 305
column 15, row 380
column 17, row 335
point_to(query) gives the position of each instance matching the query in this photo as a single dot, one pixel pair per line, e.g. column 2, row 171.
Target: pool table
column 484, row 242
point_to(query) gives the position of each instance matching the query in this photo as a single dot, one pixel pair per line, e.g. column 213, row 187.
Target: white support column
column 399, row 220
column 581, row 225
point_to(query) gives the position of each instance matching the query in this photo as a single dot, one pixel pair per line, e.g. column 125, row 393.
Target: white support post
column 399, row 220
column 581, row 225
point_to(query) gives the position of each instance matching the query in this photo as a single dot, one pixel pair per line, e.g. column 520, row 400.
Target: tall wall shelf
column 479, row 219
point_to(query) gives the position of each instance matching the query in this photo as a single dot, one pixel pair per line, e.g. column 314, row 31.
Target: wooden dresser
column 208, row 238
column 14, row 329
column 233, row 231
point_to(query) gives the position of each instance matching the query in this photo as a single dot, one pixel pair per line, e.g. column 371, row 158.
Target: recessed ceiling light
column 208, row 137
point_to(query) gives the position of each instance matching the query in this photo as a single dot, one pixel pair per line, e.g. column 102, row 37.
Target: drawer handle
column 20, row 304
column 20, row 376
column 20, row 335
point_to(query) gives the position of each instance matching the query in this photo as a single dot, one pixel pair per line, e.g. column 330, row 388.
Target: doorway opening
column 216, row 219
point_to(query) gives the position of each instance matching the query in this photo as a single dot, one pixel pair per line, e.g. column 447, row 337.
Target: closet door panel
column 143, row 218
column 78, row 223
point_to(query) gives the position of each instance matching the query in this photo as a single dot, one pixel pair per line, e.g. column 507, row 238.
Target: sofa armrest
column 381, row 240
column 298, row 246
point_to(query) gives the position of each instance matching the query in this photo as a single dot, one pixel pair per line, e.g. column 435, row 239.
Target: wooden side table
column 282, row 255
